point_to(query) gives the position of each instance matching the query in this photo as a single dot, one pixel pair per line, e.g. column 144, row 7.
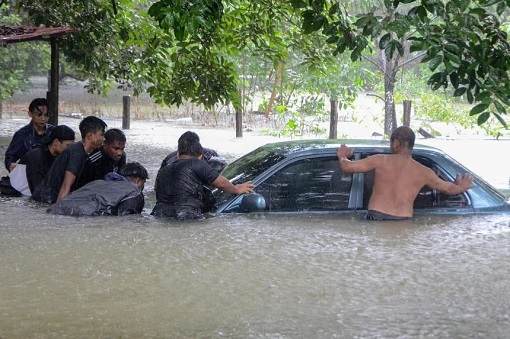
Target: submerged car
column 305, row 177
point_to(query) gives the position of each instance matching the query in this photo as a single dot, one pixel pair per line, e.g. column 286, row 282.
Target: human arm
column 349, row 166
column 15, row 151
column 461, row 184
column 65, row 189
column 223, row 184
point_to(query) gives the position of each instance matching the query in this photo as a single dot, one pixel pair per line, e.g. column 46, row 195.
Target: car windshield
column 247, row 168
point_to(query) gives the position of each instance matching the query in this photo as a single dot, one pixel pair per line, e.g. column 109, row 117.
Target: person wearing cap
column 61, row 177
column 179, row 187
column 118, row 194
column 110, row 158
column 31, row 135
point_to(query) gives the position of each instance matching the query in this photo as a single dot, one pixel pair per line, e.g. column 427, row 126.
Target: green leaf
column 501, row 120
column 482, row 118
column 479, row 109
column 384, row 41
column 298, row 3
column 499, row 106
column 435, row 62
column 459, row 91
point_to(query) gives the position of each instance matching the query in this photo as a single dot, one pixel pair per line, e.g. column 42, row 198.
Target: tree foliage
column 17, row 61
column 463, row 42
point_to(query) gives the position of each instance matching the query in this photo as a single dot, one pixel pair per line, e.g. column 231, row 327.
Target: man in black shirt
column 110, row 158
column 39, row 160
column 68, row 166
column 179, row 186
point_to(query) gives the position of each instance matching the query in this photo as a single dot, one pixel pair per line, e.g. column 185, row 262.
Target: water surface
column 254, row 275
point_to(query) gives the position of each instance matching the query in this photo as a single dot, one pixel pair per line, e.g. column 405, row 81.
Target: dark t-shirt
column 97, row 166
column 179, row 188
column 38, row 162
column 72, row 159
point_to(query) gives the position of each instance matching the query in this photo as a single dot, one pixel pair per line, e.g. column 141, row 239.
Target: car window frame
column 288, row 161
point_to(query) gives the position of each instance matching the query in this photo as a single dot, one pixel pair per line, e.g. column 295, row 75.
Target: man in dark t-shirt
column 110, row 158
column 39, row 160
column 61, row 177
column 179, row 186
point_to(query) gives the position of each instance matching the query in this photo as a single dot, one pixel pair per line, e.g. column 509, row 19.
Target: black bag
column 7, row 189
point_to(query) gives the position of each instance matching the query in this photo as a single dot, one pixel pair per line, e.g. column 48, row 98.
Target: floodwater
column 249, row 276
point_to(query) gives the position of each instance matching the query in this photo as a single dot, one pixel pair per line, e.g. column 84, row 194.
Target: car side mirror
column 253, row 202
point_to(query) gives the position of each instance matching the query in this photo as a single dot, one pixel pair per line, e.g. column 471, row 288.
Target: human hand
column 11, row 166
column 246, row 187
column 465, row 181
column 344, row 152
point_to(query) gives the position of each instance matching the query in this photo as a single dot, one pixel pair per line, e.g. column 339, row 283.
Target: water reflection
column 251, row 275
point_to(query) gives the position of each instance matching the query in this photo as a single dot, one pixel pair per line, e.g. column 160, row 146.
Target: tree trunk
column 239, row 123
column 333, row 122
column 407, row 113
column 277, row 76
column 390, row 67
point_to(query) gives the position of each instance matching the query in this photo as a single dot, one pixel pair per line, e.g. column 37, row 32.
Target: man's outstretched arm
column 461, row 184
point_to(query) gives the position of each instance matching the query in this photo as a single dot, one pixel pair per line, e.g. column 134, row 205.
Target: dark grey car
column 305, row 177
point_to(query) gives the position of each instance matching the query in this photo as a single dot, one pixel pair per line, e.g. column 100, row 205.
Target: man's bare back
column 398, row 180
column 398, row 177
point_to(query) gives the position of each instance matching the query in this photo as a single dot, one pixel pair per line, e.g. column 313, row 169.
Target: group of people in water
column 91, row 176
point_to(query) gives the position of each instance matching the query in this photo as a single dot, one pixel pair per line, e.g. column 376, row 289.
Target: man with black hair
column 180, row 185
column 398, row 177
column 29, row 136
column 110, row 158
column 119, row 194
column 61, row 177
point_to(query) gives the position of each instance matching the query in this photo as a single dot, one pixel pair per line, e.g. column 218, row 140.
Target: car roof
column 286, row 148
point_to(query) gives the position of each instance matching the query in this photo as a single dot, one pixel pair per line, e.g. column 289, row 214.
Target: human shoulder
column 23, row 131
column 35, row 154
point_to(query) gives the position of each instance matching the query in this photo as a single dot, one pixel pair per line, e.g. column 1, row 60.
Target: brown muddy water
column 251, row 276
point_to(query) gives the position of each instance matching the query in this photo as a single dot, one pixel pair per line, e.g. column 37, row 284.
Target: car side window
column 313, row 184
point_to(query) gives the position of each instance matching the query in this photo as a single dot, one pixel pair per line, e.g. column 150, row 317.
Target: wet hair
column 189, row 144
column 134, row 170
column 189, row 135
column 404, row 135
column 91, row 124
column 114, row 134
column 37, row 102
column 61, row 133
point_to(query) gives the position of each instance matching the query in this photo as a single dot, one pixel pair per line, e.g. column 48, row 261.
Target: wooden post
column 126, row 108
column 239, row 123
column 52, row 95
column 407, row 113
column 333, row 121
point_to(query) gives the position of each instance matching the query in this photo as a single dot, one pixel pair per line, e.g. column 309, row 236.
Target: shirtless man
column 398, row 178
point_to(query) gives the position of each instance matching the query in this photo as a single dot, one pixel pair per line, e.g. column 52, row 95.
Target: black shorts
column 380, row 216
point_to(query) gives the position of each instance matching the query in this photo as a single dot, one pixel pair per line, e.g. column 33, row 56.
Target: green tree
column 463, row 42
column 17, row 61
